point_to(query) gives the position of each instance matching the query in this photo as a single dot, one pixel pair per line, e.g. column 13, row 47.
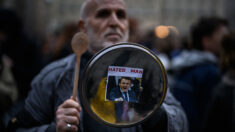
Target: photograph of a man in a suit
column 123, row 91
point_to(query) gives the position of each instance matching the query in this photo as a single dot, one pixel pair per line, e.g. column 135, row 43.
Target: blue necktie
column 125, row 96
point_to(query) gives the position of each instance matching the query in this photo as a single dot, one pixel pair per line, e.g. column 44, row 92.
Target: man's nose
column 113, row 20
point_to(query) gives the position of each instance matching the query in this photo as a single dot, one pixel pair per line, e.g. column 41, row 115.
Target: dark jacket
column 54, row 85
column 221, row 111
column 195, row 75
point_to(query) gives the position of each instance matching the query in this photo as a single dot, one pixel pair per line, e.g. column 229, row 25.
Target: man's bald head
column 90, row 5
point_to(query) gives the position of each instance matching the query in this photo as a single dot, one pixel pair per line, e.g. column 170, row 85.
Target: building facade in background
column 45, row 16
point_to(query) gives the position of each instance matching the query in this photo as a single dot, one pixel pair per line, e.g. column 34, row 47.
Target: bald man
column 49, row 106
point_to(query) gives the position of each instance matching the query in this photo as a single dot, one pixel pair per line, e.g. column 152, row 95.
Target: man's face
column 125, row 84
column 106, row 24
column 216, row 38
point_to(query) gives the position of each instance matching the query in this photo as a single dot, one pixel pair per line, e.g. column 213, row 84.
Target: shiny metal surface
column 151, row 87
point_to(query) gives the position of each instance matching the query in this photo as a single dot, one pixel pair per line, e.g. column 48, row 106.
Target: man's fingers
column 71, row 112
column 71, row 120
column 72, row 128
column 73, row 99
column 68, row 115
column 67, row 127
column 62, row 119
column 70, row 103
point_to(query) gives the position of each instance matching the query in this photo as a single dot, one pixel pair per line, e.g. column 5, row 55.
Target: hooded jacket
column 195, row 74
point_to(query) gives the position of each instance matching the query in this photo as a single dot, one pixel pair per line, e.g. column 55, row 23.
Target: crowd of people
column 196, row 68
column 201, row 73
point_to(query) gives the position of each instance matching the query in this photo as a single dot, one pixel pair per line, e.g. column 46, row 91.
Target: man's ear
column 81, row 26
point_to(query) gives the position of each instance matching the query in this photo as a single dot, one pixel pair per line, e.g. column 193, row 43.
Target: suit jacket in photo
column 116, row 93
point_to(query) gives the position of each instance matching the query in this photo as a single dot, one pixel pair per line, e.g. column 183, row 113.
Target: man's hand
column 68, row 115
column 119, row 99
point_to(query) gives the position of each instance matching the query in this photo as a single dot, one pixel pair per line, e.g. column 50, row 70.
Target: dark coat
column 116, row 93
column 195, row 75
column 54, row 85
column 220, row 114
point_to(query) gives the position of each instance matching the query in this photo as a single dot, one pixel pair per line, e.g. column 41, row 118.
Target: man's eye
column 121, row 14
column 103, row 14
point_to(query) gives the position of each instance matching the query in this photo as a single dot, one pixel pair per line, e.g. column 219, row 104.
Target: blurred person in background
column 166, row 44
column 8, row 88
column 49, row 106
column 23, row 52
column 221, row 111
column 57, row 44
column 63, row 45
column 134, row 33
column 148, row 39
column 196, row 71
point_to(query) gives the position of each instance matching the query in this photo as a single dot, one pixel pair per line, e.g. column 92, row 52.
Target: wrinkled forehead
column 112, row 2
column 94, row 5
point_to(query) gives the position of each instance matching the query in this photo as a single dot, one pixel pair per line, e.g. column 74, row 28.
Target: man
column 196, row 70
column 123, row 92
column 220, row 114
column 49, row 106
